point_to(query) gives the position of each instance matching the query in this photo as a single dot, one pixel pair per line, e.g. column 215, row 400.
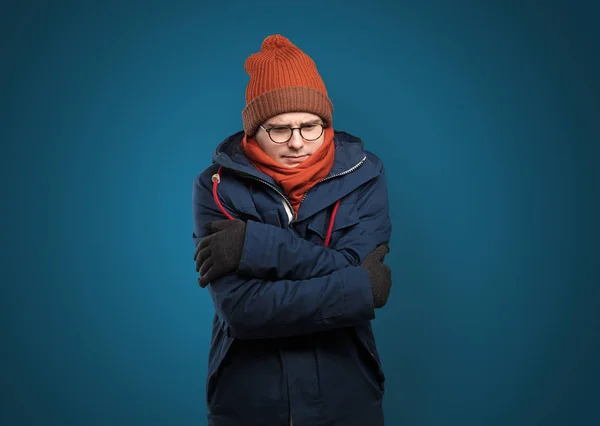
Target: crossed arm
column 310, row 287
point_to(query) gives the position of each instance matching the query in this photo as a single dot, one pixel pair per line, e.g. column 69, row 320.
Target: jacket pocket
column 346, row 218
column 248, row 379
column 220, row 349
column 366, row 340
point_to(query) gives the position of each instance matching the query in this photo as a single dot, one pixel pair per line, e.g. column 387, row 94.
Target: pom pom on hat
column 276, row 41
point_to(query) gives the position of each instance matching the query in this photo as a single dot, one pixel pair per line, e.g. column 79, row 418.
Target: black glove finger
column 203, row 281
column 197, row 250
column 201, row 246
column 205, row 242
column 379, row 253
column 210, row 275
column 388, row 273
column 205, row 267
column 203, row 255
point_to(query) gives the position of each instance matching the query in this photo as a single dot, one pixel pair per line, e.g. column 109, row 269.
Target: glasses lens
column 311, row 132
column 280, row 134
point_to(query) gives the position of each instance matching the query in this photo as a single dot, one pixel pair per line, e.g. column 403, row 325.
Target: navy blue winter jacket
column 292, row 336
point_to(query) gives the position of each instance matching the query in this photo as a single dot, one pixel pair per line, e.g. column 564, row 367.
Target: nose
column 296, row 142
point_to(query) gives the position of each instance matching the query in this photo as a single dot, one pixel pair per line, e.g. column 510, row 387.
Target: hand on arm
column 255, row 307
column 221, row 248
column 288, row 256
column 276, row 253
column 219, row 253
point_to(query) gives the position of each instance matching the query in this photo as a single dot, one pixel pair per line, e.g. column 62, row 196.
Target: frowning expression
column 293, row 151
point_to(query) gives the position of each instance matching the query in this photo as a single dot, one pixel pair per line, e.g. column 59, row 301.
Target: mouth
column 295, row 158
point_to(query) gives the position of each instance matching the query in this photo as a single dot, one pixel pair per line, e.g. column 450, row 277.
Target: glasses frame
column 292, row 132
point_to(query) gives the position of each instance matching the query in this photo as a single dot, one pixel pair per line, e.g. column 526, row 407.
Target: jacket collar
column 350, row 160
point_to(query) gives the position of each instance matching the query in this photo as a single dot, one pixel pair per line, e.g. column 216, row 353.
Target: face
column 295, row 151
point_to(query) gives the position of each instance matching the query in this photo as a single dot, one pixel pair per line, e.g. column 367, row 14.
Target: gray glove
column 380, row 275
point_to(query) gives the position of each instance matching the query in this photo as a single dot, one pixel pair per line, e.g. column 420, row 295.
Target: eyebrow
column 305, row 123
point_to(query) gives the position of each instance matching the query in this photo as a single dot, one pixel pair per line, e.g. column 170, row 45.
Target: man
column 291, row 226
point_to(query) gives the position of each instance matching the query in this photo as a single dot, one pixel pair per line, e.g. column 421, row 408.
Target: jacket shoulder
column 355, row 145
column 204, row 178
column 375, row 161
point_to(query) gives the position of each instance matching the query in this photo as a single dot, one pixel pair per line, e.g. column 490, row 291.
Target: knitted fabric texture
column 380, row 275
column 282, row 79
column 219, row 253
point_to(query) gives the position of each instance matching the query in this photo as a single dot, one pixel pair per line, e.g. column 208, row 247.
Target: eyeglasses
column 282, row 134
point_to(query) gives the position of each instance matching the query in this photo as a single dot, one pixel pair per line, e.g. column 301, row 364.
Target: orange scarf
column 295, row 181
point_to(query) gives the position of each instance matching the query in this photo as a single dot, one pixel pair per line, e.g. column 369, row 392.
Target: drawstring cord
column 216, row 179
column 331, row 221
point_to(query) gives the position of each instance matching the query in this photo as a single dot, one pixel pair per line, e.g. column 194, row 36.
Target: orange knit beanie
column 282, row 79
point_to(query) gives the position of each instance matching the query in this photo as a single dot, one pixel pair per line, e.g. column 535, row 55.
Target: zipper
column 273, row 187
column 283, row 196
column 350, row 170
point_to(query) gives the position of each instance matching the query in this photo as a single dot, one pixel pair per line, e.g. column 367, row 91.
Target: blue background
column 487, row 118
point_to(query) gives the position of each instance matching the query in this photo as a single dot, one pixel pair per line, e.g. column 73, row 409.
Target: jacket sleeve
column 373, row 226
column 256, row 308
column 292, row 257
column 253, row 308
column 289, row 256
